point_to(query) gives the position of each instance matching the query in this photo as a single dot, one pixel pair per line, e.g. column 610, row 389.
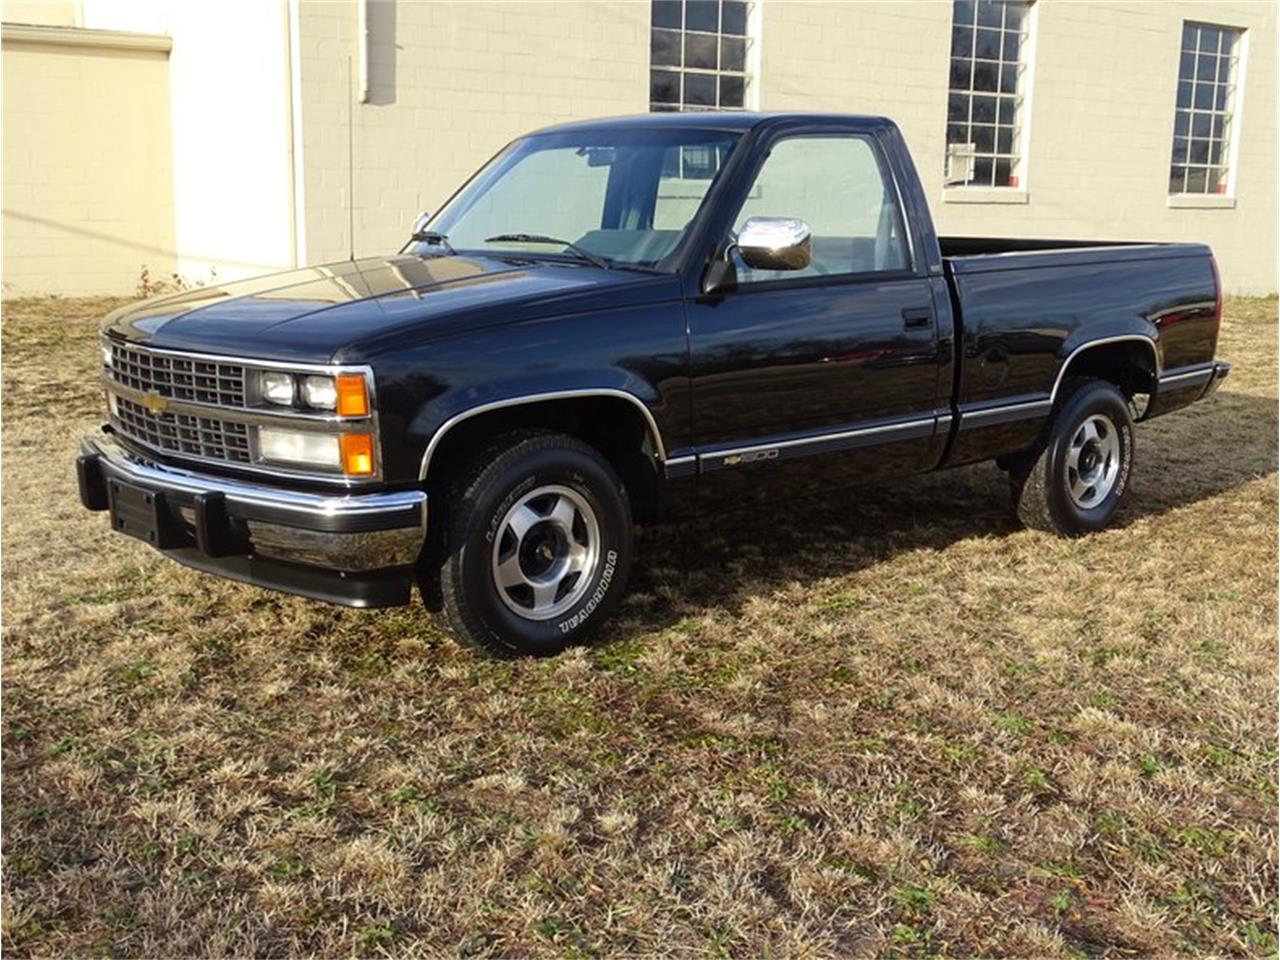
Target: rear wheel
column 1072, row 482
column 537, row 548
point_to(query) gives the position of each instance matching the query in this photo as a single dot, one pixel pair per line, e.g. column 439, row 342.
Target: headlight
column 346, row 393
column 349, row 453
column 277, row 388
column 319, row 392
column 299, row 446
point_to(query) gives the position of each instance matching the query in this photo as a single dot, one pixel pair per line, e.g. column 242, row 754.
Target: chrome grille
column 180, row 378
column 182, row 433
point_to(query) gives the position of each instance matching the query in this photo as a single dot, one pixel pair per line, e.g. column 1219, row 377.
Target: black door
column 827, row 374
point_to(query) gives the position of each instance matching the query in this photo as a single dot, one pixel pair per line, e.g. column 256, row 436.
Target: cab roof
column 737, row 121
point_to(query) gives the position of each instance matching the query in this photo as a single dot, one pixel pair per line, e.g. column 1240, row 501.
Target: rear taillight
column 1217, row 286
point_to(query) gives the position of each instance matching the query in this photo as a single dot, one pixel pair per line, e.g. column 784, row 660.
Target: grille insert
column 182, row 433
column 180, row 378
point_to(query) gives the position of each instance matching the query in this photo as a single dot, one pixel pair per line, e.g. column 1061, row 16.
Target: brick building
column 239, row 137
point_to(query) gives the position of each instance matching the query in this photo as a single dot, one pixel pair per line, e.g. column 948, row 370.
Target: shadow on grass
column 727, row 559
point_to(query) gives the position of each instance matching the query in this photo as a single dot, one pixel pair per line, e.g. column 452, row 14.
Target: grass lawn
column 891, row 722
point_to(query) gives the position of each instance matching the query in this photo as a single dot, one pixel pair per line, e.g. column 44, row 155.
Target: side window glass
column 839, row 187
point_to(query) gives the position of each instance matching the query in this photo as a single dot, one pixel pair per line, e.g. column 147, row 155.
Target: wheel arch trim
column 1101, row 342
column 651, row 424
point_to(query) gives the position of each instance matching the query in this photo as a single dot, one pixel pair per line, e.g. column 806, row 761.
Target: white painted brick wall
column 469, row 76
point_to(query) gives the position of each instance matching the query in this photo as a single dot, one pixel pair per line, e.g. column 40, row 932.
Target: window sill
column 1202, row 201
column 985, row 195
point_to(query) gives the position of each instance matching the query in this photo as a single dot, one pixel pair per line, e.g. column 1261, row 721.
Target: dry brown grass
column 890, row 723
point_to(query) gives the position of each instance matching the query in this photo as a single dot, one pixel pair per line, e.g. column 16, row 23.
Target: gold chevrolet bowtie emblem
column 155, row 403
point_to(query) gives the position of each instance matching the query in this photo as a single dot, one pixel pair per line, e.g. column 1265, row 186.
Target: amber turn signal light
column 353, row 396
column 357, row 454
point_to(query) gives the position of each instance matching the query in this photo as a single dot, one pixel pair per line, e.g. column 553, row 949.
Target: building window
column 1202, row 132
column 986, row 93
column 698, row 55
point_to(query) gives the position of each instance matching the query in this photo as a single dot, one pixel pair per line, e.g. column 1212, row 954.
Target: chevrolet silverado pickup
column 618, row 321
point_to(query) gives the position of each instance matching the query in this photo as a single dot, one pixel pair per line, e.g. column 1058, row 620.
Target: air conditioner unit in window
column 959, row 163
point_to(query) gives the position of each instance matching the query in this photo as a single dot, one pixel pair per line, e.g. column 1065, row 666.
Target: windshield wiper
column 586, row 255
column 430, row 236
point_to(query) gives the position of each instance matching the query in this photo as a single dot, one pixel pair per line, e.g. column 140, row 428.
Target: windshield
column 624, row 197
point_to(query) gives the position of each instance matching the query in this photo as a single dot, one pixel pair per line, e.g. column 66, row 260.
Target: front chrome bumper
column 356, row 549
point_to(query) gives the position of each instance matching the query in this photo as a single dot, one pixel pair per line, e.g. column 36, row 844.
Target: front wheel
column 1073, row 481
column 538, row 547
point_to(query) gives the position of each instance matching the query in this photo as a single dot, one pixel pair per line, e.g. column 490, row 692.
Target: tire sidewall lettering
column 597, row 597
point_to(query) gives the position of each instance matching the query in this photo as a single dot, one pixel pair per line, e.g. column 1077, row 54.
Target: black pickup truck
column 624, row 320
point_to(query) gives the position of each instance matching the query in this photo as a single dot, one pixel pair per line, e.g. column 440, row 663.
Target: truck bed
column 985, row 254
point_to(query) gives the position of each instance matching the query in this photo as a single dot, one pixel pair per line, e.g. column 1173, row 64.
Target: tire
column 1073, row 481
column 536, row 546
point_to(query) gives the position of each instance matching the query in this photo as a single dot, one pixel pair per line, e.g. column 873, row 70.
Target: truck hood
column 346, row 311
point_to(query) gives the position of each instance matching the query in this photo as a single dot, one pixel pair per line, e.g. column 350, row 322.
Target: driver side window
column 838, row 186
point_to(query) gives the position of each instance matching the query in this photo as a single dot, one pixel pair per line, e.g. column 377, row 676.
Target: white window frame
column 749, row 73
column 1231, row 112
column 969, row 192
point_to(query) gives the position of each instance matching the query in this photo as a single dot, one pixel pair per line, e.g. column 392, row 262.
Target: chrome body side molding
column 831, row 441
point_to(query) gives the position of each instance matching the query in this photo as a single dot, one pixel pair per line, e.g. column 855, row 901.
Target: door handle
column 917, row 318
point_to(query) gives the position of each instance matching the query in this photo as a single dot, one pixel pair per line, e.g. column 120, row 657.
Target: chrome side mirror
column 775, row 243
column 420, row 223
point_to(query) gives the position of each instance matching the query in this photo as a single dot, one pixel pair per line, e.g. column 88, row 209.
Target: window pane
column 957, row 133
column 1216, row 180
column 957, row 107
column 666, row 13
column 961, row 73
column 1201, row 124
column 733, row 91
column 987, row 45
column 1206, row 68
column 1009, row 78
column 983, row 172
column 1195, row 180
column 1003, row 173
column 836, row 185
column 700, row 89
column 1013, row 15
column 733, row 54
column 984, row 138
column 989, row 13
column 962, row 41
column 702, row 15
column 984, row 109
column 1203, row 99
column 1011, row 41
column 1199, row 151
column 1007, row 109
column 1220, row 96
column 963, row 12
column 664, row 86
column 664, row 48
column 1180, row 149
column 1187, row 66
column 1184, row 94
column 1177, row 178
column 1004, row 140
column 699, row 51
column 1181, row 123
column 1188, row 36
column 1209, row 39
column 985, row 76
column 734, row 16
